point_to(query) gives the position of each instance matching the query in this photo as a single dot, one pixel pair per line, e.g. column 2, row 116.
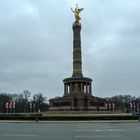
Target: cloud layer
column 36, row 45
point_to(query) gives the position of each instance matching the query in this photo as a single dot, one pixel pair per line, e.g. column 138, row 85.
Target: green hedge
column 65, row 118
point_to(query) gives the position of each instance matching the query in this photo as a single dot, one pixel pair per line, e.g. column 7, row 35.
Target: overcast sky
column 36, row 45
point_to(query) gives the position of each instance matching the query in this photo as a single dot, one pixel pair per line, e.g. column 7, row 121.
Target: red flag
column 14, row 105
column 7, row 105
column 130, row 105
column 10, row 105
column 113, row 105
column 109, row 105
column 105, row 105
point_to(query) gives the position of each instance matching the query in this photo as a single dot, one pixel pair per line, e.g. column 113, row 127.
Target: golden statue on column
column 77, row 12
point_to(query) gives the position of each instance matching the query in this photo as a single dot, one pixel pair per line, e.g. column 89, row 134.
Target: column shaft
column 77, row 57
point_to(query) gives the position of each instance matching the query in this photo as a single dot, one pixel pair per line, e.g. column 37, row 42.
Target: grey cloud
column 36, row 45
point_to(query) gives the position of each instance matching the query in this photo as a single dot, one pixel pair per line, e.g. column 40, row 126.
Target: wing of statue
column 72, row 10
column 81, row 9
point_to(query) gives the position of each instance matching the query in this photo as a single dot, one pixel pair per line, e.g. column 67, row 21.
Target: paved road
column 69, row 131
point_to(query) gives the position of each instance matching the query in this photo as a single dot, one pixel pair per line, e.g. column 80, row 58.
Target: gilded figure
column 77, row 12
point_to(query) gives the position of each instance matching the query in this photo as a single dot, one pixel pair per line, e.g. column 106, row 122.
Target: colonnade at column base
column 80, row 86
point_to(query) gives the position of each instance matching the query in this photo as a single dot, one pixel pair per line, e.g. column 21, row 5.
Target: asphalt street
column 70, row 131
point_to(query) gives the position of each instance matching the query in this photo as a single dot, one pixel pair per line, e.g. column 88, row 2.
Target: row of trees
column 23, row 102
column 125, row 103
column 26, row 102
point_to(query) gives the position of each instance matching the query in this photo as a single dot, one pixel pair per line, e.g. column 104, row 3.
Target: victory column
column 77, row 89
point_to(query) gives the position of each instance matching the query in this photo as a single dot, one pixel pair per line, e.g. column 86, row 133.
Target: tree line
column 125, row 103
column 24, row 102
